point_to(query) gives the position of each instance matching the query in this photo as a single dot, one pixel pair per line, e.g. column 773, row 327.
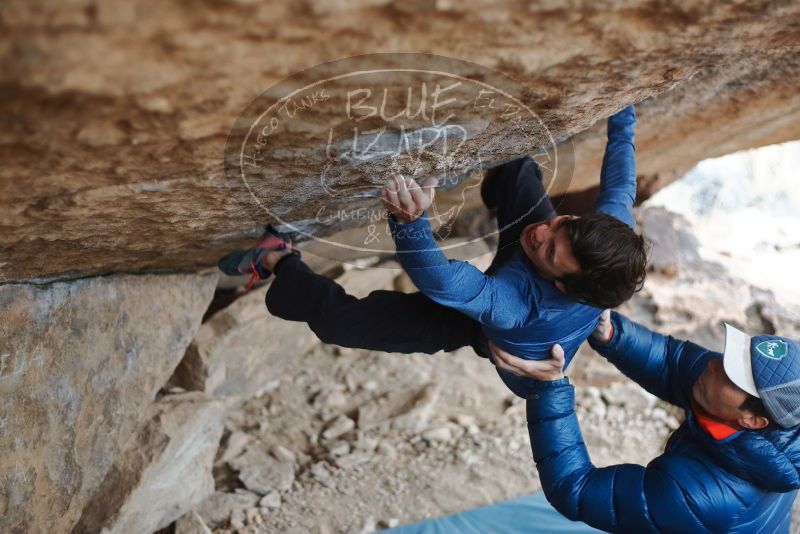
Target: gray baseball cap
column 767, row 367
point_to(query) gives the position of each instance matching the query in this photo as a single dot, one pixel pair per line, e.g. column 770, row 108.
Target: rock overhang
column 115, row 118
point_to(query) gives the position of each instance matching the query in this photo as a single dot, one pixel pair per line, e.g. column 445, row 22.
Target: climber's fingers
column 429, row 187
column 404, row 195
column 390, row 200
column 421, row 200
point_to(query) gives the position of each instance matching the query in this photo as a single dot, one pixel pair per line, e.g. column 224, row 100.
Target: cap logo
column 774, row 349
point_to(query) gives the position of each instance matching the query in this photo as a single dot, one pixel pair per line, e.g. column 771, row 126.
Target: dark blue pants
column 391, row 321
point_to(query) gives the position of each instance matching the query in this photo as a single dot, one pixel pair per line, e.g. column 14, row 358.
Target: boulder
column 438, row 434
column 80, row 365
column 673, row 245
column 191, row 523
column 269, row 475
column 338, row 427
column 241, row 349
column 254, row 454
column 235, row 445
column 271, row 500
column 165, row 472
column 217, row 508
column 401, row 409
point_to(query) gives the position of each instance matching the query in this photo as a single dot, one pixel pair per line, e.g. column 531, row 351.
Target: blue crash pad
column 531, row 513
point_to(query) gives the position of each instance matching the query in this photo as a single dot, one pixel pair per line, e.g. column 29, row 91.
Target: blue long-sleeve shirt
column 519, row 310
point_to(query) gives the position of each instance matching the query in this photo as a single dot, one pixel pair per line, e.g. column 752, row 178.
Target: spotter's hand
column 604, row 329
column 544, row 370
column 407, row 200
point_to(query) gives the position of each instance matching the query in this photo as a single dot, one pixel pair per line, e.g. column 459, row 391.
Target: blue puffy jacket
column 743, row 483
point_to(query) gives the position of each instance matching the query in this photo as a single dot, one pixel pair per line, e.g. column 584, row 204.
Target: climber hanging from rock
column 549, row 281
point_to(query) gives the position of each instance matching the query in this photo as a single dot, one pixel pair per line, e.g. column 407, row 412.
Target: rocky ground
column 354, row 441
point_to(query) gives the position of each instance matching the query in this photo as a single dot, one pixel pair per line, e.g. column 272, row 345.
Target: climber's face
column 547, row 244
column 720, row 398
column 717, row 394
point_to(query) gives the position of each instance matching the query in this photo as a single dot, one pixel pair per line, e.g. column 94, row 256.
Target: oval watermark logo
column 314, row 151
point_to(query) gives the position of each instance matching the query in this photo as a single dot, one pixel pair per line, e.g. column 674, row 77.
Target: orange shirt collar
column 716, row 429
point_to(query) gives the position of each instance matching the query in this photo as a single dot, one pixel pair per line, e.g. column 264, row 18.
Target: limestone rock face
column 241, row 350
column 181, row 439
column 80, row 365
column 115, row 115
column 742, row 104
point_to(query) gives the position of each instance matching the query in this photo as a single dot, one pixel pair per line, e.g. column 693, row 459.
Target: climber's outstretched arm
column 452, row 283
